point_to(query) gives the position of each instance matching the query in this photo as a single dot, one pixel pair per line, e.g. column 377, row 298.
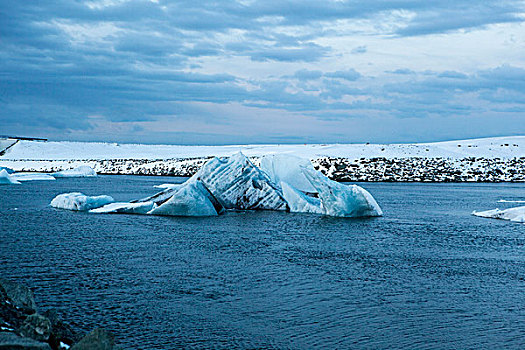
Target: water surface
column 426, row 275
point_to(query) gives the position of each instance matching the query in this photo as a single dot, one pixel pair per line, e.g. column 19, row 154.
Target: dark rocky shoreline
column 23, row 326
column 415, row 169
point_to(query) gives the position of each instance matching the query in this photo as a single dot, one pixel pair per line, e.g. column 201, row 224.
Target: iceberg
column 6, row 179
column 79, row 201
column 81, row 171
column 300, row 202
column 32, row 177
column 9, row 170
column 191, row 199
column 124, row 208
column 287, row 168
column 238, row 184
column 516, row 214
column 342, row 200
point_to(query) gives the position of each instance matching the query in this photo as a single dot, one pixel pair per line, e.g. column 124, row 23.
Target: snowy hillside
column 500, row 147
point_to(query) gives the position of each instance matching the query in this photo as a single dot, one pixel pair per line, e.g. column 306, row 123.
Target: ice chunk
column 287, row 168
column 124, row 208
column 238, row 184
column 32, row 177
column 342, row 200
column 6, row 179
column 9, row 170
column 190, row 199
column 300, row 202
column 81, row 171
column 516, row 214
column 79, row 201
column 167, row 185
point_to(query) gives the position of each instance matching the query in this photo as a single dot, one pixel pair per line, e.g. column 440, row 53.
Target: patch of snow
column 81, row 171
column 513, row 214
column 79, row 201
column 6, row 179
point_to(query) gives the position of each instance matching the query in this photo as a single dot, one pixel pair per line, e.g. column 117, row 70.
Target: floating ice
column 32, row 177
column 79, row 201
column 124, row 208
column 287, row 168
column 9, row 170
column 6, row 179
column 300, row 202
column 190, row 199
column 81, row 171
column 342, row 200
column 510, row 201
column 516, row 214
column 167, row 185
column 238, row 184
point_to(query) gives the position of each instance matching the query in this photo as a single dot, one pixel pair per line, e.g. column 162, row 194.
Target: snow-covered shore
column 488, row 160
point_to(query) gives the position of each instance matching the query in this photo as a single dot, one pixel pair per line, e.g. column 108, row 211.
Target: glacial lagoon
column 427, row 274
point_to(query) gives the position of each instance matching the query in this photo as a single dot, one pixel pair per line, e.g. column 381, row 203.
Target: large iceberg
column 516, row 214
column 288, row 168
column 235, row 183
column 79, row 201
column 238, row 184
column 6, row 179
column 81, row 171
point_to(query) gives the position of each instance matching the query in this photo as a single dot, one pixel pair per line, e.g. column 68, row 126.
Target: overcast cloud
column 201, row 72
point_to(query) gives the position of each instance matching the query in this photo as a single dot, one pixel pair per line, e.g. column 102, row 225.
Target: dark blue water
column 426, row 275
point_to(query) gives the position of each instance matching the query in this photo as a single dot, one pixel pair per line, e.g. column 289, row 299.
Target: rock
column 98, row 339
column 37, row 327
column 60, row 331
column 11, row 341
column 20, row 295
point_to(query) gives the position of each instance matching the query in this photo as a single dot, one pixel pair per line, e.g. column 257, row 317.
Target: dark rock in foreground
column 22, row 327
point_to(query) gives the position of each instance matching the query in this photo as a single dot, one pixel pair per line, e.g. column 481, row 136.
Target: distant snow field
column 498, row 147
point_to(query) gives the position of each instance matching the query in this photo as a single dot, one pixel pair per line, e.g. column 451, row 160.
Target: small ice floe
column 7, row 179
column 509, row 201
column 513, row 214
column 124, row 208
column 81, row 171
column 22, row 177
column 79, row 201
column 167, row 185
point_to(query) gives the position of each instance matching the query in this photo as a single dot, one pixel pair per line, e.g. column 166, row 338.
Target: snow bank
column 124, row 208
column 6, row 179
column 32, row 177
column 191, row 199
column 79, row 201
column 513, row 214
column 287, row 168
column 81, row 171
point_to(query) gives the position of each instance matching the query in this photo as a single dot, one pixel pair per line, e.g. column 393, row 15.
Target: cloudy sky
column 262, row 71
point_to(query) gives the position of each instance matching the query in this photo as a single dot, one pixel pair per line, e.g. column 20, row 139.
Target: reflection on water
column 426, row 275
